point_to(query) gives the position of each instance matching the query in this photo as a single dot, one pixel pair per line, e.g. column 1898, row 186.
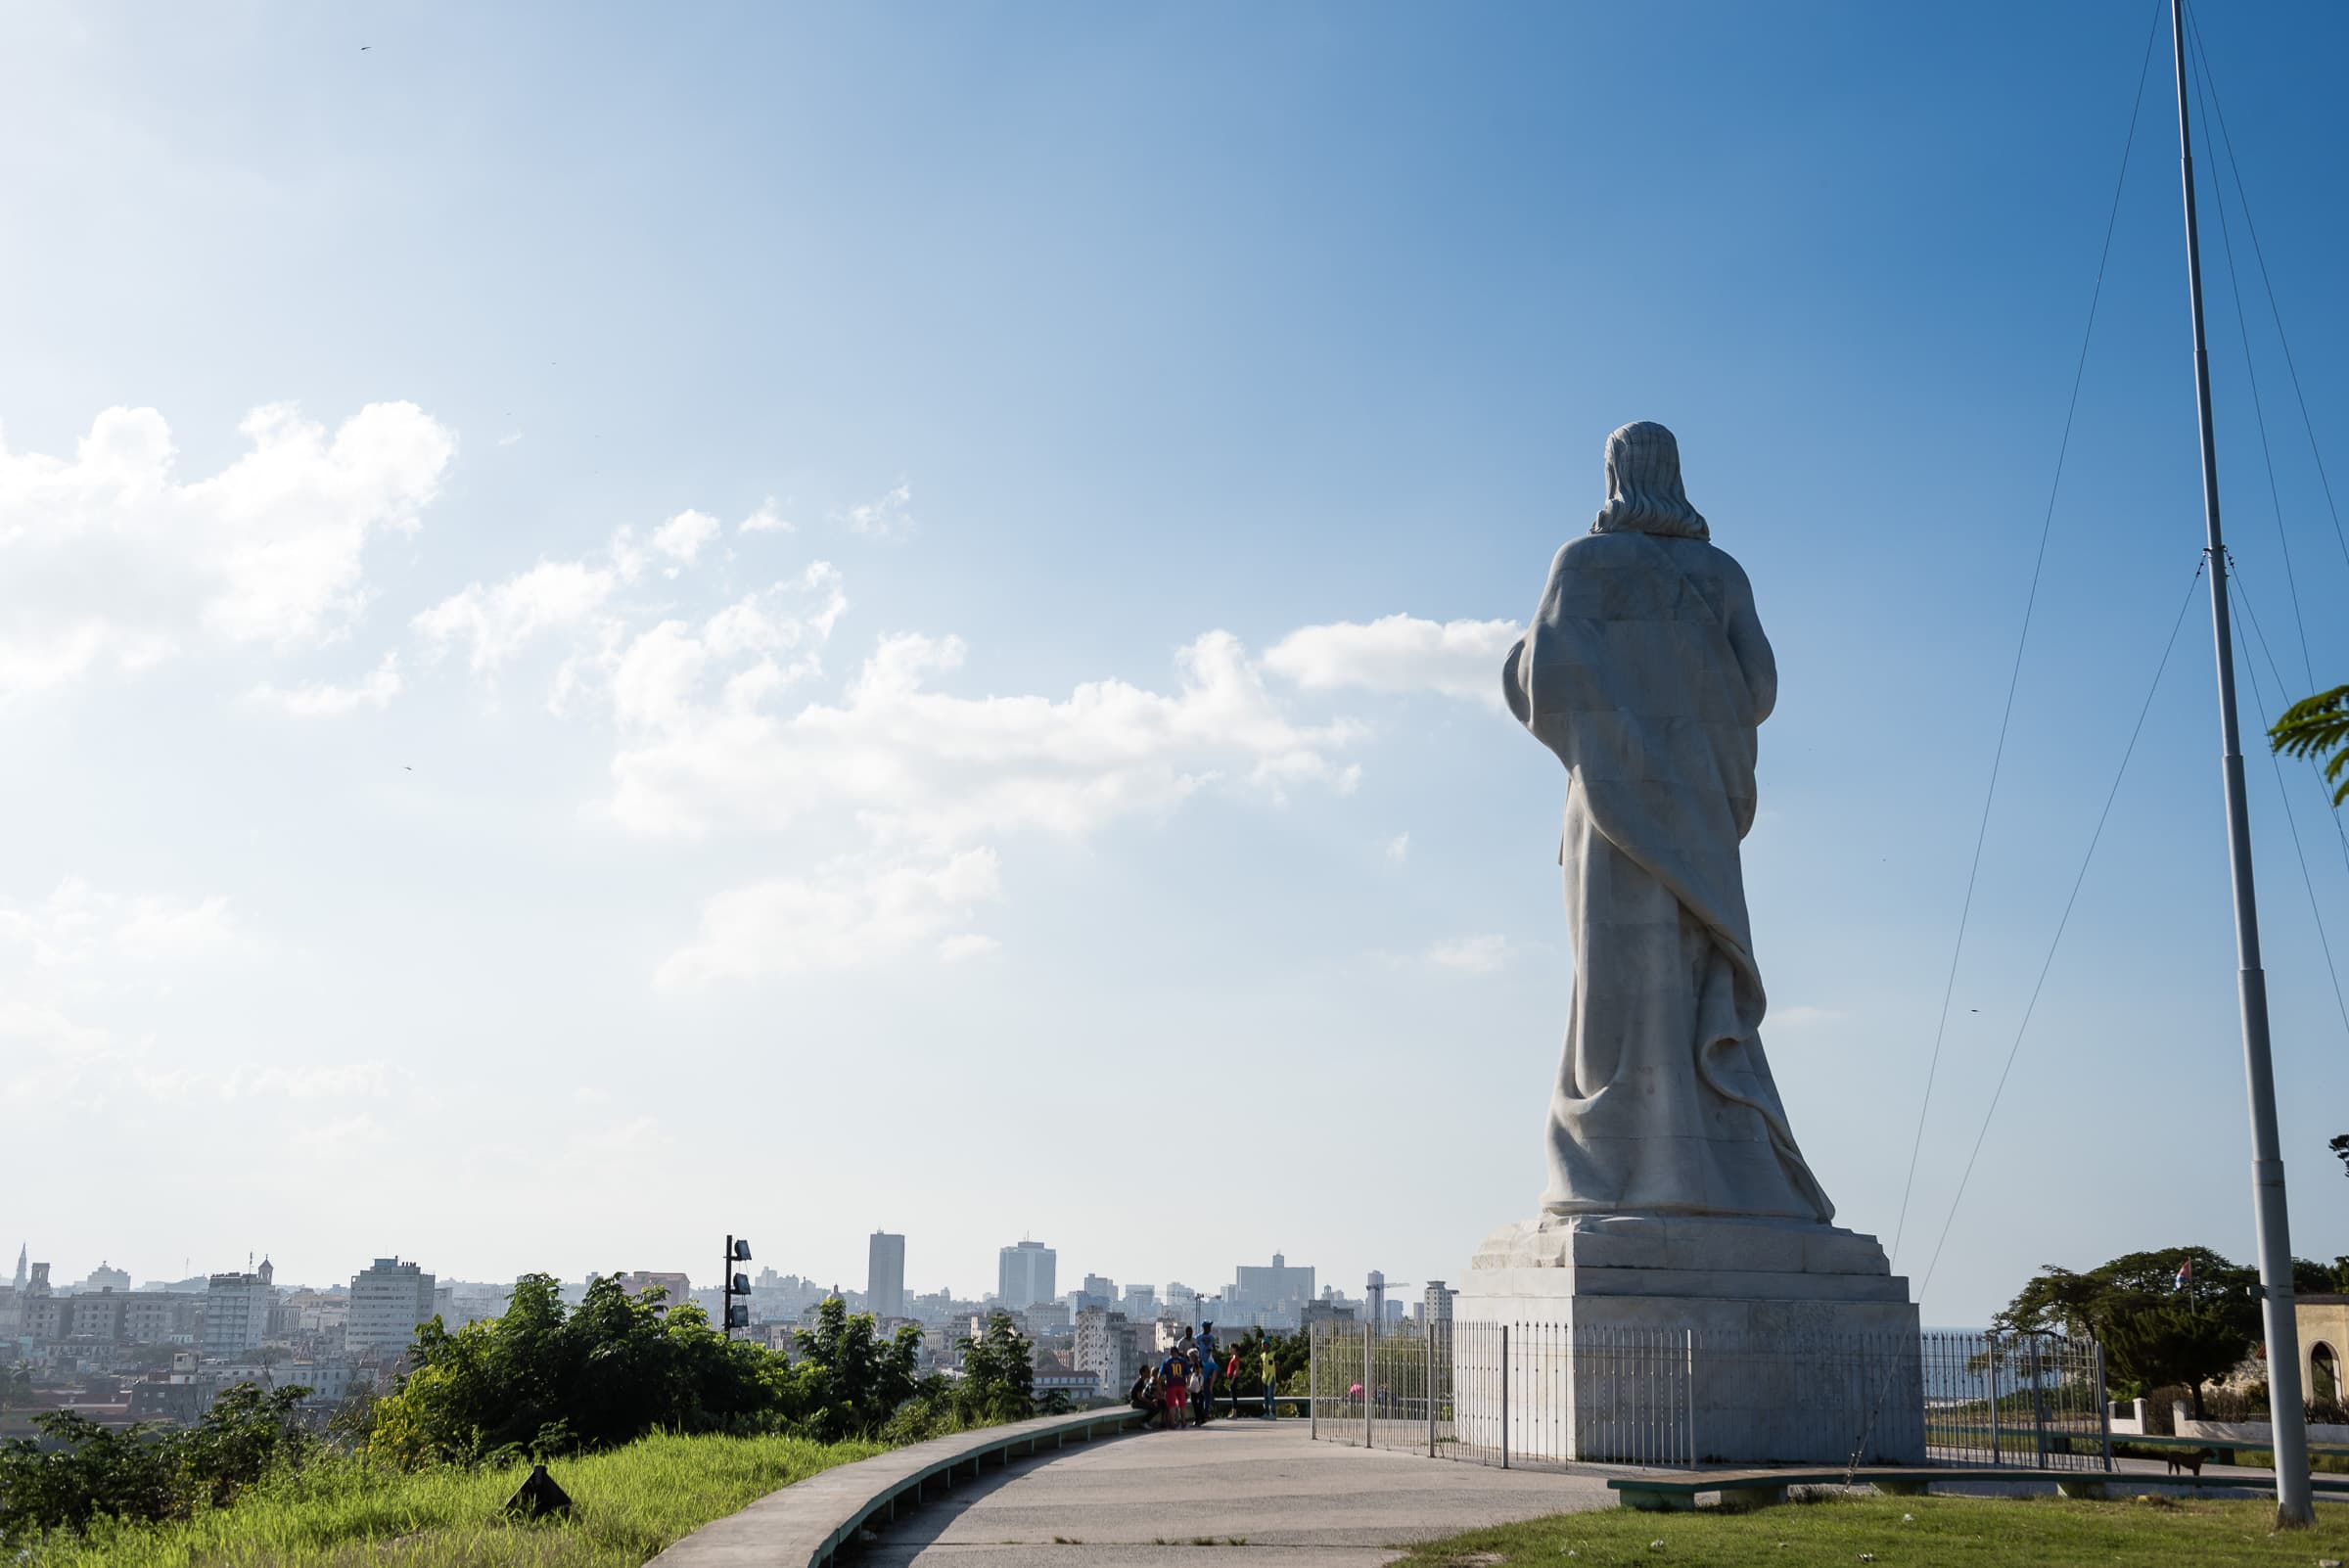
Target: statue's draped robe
column 1646, row 672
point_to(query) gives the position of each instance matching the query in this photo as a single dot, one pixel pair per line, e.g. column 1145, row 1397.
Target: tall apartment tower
column 388, row 1300
column 236, row 1314
column 1025, row 1274
column 885, row 1275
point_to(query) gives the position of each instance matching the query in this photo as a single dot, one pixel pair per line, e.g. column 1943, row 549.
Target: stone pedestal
column 1644, row 1338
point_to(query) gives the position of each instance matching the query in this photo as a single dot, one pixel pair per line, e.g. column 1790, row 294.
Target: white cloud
column 497, row 622
column 1803, row 1017
column 348, row 1080
column 967, row 944
column 343, row 1134
column 1397, row 848
column 1398, row 653
column 1482, row 954
column 322, row 700
column 509, row 438
column 110, row 561
column 887, row 518
column 849, row 912
column 915, row 764
column 70, row 958
column 78, row 923
column 766, row 520
column 682, row 536
column 157, row 928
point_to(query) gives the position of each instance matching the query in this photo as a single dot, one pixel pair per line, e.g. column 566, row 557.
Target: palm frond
column 2317, row 726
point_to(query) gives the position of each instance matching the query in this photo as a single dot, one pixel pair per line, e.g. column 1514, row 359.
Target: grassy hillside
column 629, row 1503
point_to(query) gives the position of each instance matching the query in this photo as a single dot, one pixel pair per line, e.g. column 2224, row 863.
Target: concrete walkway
column 1143, row 1502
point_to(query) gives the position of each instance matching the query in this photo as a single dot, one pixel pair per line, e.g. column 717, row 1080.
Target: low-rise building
column 675, row 1289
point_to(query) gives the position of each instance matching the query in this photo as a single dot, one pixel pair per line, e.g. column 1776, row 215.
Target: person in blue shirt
column 1175, row 1374
column 1204, row 1347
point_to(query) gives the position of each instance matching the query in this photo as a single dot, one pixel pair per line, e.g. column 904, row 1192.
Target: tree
column 81, row 1471
column 2153, row 1333
column 16, row 1385
column 1291, row 1354
column 854, row 1379
column 2313, row 726
column 2340, row 1146
column 242, row 1438
column 999, row 1375
column 544, row 1379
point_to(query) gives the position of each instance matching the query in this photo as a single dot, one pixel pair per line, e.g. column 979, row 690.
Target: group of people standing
column 1182, row 1385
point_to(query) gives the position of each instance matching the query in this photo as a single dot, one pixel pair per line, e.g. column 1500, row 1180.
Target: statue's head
column 1643, row 485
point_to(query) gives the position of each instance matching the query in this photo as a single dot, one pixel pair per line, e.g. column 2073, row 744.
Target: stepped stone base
column 1797, row 1342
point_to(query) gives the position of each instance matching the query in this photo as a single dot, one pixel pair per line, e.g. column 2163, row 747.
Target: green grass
column 1910, row 1533
column 627, row 1505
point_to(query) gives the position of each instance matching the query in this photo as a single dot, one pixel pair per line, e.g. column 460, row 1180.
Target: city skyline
column 1279, row 1283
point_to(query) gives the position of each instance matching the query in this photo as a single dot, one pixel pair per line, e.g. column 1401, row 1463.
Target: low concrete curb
column 801, row 1525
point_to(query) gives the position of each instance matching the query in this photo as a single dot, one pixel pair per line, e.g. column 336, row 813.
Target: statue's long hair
column 1643, row 485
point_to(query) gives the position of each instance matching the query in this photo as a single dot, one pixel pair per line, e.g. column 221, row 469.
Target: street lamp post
column 730, row 1315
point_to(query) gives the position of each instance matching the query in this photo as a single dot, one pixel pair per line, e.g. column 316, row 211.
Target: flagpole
column 2294, row 1502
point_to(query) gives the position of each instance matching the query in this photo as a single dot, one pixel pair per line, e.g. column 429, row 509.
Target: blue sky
column 805, row 647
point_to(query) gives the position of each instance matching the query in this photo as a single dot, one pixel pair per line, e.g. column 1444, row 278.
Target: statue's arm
column 1517, row 669
column 1754, row 658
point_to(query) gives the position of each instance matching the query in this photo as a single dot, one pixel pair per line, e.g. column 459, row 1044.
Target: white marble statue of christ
column 1646, row 671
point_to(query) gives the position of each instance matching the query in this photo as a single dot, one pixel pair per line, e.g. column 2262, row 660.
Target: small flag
column 2185, row 1272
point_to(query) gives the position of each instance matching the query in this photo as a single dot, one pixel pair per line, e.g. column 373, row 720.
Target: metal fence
column 1546, row 1395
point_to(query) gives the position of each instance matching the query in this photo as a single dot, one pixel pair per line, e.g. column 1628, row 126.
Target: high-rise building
column 1109, row 1345
column 1141, row 1302
column 388, row 1300
column 1435, row 1307
column 1023, row 1275
column 1374, row 1298
column 885, row 1275
column 1273, row 1293
column 236, row 1314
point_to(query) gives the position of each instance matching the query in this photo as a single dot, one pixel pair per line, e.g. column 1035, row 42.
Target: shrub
column 999, row 1375
column 79, row 1471
column 545, row 1378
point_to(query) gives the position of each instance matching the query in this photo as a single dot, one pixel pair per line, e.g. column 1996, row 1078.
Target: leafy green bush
column 849, row 1380
column 547, row 1378
column 999, row 1375
column 79, row 1471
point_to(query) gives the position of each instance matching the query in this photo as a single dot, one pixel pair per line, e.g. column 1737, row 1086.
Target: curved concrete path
column 1262, row 1492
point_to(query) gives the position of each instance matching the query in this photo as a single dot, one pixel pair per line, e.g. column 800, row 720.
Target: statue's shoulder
column 1697, row 557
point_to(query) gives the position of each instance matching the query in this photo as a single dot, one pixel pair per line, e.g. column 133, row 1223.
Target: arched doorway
column 2324, row 1373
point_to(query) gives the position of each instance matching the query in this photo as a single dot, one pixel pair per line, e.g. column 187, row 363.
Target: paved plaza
column 1146, row 1499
